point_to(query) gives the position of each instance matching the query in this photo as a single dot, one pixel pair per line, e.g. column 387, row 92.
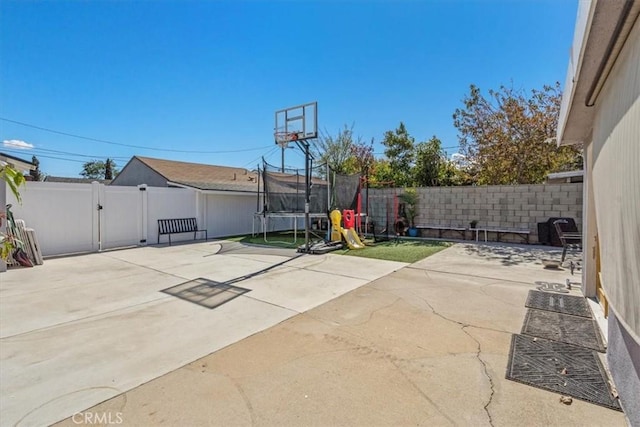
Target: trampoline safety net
column 284, row 192
column 344, row 190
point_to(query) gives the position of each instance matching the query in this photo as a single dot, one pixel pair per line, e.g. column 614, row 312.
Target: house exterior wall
column 616, row 181
column 136, row 173
column 590, row 229
column 616, row 187
column 514, row 207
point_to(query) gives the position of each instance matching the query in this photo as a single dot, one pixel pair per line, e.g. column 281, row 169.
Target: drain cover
column 566, row 304
column 561, row 368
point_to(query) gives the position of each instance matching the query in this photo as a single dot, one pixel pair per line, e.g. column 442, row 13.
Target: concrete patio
column 318, row 340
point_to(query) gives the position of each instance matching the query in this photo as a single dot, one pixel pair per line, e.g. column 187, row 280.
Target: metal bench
column 179, row 225
column 523, row 234
column 442, row 228
column 570, row 239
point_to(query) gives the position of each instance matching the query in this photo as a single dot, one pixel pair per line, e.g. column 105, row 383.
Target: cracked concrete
column 424, row 345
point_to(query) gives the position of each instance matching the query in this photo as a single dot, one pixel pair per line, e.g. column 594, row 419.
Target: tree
column 13, row 178
column 380, row 174
column 430, row 159
column 97, row 169
column 36, row 174
column 336, row 150
column 109, row 165
column 362, row 156
column 509, row 137
column 400, row 153
column 454, row 173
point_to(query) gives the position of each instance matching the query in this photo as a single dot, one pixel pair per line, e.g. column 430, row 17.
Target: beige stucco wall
column 616, row 183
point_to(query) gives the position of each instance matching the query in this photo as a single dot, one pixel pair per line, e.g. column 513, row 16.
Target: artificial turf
column 400, row 250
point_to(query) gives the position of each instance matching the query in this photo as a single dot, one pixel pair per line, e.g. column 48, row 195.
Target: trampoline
column 280, row 202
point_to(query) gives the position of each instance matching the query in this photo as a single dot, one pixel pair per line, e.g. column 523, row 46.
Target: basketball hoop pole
column 299, row 124
column 307, row 194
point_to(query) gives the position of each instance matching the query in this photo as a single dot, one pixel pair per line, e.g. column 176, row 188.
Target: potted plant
column 473, row 223
column 410, row 199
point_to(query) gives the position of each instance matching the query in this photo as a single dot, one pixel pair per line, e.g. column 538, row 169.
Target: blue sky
column 207, row 76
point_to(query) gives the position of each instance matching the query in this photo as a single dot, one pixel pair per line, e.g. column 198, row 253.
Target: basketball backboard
column 297, row 123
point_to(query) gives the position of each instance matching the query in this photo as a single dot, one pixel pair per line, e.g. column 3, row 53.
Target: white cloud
column 16, row 143
column 459, row 160
column 457, row 157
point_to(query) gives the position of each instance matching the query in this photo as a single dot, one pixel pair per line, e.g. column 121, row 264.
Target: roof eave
column 210, row 191
column 601, row 29
column 18, row 163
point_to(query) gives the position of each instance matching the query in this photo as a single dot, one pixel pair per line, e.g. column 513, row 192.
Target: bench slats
column 443, row 228
column 523, row 234
column 179, row 225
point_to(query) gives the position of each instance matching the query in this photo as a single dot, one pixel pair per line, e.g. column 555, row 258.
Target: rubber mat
column 565, row 328
column 560, row 368
column 565, row 304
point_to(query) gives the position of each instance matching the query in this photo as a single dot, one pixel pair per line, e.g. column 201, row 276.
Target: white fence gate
column 120, row 216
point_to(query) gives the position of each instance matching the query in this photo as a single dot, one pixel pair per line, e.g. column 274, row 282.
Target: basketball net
column 284, row 138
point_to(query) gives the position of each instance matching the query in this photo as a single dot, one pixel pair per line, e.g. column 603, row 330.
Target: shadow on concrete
column 228, row 247
column 206, row 293
column 511, row 254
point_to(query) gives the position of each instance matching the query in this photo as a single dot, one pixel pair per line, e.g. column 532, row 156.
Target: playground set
column 330, row 203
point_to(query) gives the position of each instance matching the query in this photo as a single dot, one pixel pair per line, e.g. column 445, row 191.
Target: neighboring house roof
column 570, row 176
column 203, row 177
column 50, row 178
column 18, row 163
column 602, row 27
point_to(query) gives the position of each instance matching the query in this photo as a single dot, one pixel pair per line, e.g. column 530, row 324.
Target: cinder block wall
column 501, row 206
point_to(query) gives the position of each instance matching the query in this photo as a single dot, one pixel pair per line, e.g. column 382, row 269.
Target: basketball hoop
column 284, row 138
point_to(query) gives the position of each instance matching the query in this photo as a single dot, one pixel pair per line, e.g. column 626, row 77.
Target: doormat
column 560, row 368
column 565, row 304
column 564, row 328
column 204, row 292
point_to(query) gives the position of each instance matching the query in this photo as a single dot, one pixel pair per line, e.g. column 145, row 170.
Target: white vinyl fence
column 71, row 218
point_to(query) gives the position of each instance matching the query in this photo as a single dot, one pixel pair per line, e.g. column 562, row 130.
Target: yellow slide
column 352, row 239
column 350, row 236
